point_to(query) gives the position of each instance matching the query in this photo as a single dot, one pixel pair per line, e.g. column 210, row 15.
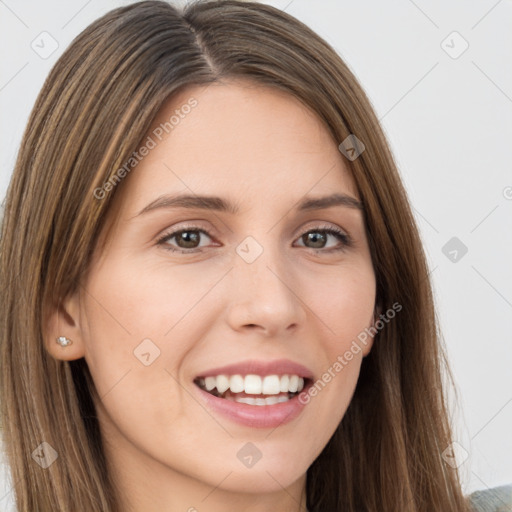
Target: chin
column 262, row 481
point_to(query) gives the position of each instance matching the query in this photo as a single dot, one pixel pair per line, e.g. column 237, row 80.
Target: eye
column 318, row 237
column 186, row 238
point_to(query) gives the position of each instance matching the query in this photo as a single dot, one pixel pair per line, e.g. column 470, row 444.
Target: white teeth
column 210, row 383
column 254, row 384
column 293, row 384
column 236, row 383
column 271, row 400
column 222, row 383
column 271, row 385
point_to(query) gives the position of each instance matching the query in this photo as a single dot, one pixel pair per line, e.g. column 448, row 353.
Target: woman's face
column 266, row 285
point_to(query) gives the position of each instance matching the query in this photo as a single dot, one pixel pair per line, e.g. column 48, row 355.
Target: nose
column 265, row 296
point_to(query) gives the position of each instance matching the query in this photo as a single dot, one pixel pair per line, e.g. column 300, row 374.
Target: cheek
column 136, row 335
column 131, row 302
column 343, row 301
column 141, row 321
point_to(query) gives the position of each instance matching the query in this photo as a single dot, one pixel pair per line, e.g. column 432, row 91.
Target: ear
column 376, row 313
column 63, row 319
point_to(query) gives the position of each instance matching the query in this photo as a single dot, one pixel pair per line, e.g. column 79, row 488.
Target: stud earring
column 63, row 341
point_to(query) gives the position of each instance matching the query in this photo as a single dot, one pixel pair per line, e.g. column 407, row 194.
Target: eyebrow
column 221, row 205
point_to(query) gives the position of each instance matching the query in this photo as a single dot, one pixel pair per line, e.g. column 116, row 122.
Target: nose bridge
column 262, row 288
column 258, row 262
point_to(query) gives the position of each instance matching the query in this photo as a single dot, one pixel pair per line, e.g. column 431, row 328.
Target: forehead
column 237, row 140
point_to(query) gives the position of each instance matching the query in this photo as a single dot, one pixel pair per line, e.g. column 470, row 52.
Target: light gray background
column 448, row 118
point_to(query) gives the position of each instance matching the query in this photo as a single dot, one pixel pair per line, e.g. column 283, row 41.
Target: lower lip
column 259, row 416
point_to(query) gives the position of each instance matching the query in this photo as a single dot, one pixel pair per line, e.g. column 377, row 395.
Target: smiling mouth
column 253, row 389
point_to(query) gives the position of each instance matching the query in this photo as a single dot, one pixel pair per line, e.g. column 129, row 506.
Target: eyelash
column 346, row 240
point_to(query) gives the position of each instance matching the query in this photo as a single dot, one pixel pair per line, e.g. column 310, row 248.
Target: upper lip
column 262, row 368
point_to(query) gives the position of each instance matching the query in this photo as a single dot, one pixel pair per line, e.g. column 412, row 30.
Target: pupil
column 190, row 237
column 315, row 238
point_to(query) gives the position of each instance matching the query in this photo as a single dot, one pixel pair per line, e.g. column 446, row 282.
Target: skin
column 264, row 151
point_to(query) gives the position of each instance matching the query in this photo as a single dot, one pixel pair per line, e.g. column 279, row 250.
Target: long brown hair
column 96, row 104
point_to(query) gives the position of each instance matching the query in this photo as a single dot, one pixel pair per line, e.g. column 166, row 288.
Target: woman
column 214, row 292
